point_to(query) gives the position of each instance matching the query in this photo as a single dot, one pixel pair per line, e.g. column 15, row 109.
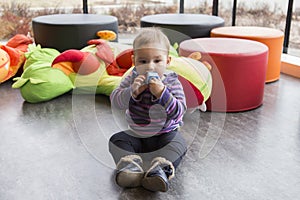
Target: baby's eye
column 157, row 61
column 142, row 61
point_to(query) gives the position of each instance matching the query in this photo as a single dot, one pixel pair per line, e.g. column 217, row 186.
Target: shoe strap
column 162, row 163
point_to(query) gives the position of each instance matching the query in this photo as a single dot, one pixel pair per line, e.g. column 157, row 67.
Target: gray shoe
column 129, row 171
column 158, row 176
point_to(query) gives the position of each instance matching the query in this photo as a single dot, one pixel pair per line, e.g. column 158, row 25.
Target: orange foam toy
column 4, row 65
column 273, row 38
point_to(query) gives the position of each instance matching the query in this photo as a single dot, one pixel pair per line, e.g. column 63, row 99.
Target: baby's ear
column 169, row 59
column 132, row 58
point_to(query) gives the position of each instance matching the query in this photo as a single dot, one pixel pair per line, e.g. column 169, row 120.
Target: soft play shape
column 238, row 71
column 4, row 65
column 39, row 81
column 117, row 63
column 37, row 56
column 79, row 62
column 103, row 50
column 20, row 42
column 273, row 38
column 70, row 31
column 121, row 64
column 124, row 59
column 107, row 35
column 100, row 81
column 195, row 79
column 15, row 48
column 17, row 58
column 182, row 26
column 39, row 84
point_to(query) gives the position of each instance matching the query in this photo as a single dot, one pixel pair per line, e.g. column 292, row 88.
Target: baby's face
column 151, row 59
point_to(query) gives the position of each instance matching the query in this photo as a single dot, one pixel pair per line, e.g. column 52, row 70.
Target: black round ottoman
column 70, row 31
column 179, row 27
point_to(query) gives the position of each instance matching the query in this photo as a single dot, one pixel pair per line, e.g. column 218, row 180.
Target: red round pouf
column 238, row 71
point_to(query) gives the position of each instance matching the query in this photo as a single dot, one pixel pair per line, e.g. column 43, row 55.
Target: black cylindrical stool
column 70, row 31
column 179, row 27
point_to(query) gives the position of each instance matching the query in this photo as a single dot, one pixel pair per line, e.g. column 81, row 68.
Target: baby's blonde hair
column 149, row 36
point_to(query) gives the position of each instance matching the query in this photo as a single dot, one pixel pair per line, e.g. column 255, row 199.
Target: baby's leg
column 171, row 146
column 123, row 148
column 122, row 144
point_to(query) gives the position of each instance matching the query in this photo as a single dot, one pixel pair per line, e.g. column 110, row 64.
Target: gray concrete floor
column 58, row 150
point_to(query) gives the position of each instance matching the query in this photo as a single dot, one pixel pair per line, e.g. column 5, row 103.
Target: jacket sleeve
column 121, row 95
column 173, row 100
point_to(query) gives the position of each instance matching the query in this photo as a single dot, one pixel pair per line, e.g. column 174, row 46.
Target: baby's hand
column 138, row 85
column 156, row 87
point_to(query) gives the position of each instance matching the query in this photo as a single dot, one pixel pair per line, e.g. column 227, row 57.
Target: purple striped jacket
column 146, row 114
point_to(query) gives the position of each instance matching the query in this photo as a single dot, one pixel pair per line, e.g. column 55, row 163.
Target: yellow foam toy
column 107, row 35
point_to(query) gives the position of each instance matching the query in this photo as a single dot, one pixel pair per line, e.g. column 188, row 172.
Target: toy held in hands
column 150, row 75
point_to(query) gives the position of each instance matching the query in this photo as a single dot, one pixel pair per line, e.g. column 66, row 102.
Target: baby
column 154, row 104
